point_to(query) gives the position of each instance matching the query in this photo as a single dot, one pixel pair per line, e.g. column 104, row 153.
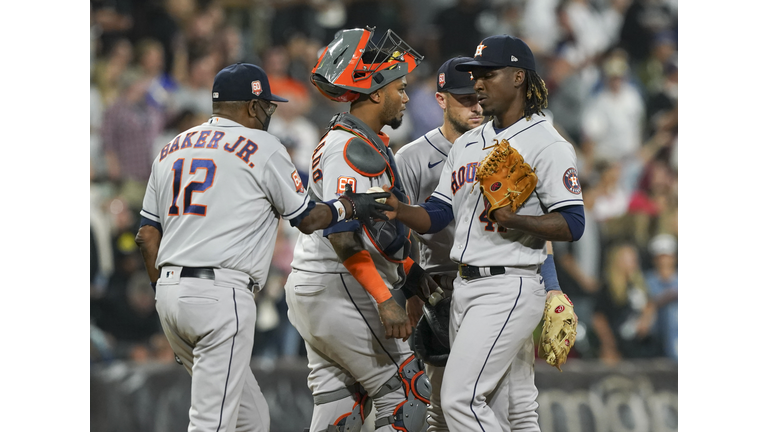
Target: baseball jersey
column 480, row 242
column 420, row 164
column 218, row 191
column 329, row 174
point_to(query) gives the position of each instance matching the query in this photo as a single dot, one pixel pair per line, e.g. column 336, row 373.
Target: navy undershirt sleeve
column 297, row 220
column 440, row 214
column 574, row 216
column 347, row 226
column 145, row 221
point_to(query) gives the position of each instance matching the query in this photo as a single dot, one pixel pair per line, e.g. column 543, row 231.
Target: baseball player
column 419, row 165
column 499, row 297
column 208, row 227
column 338, row 293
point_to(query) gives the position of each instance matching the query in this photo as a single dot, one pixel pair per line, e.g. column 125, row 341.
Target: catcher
column 500, row 246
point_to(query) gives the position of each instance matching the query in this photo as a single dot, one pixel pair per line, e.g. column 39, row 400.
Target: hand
column 392, row 202
column 413, row 307
column 364, row 205
column 394, row 319
column 556, row 292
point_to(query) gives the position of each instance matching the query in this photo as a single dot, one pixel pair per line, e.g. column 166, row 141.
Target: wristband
column 338, row 212
column 549, row 274
column 364, row 270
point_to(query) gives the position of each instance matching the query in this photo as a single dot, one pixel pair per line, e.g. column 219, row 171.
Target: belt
column 206, row 273
column 470, row 272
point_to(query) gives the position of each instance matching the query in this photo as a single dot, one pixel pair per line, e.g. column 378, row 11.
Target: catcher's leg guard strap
column 353, row 420
column 410, row 415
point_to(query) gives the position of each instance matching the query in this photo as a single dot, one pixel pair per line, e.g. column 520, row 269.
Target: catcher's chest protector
column 366, row 153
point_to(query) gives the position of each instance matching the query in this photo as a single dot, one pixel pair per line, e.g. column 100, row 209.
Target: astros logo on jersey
column 441, row 80
column 256, row 87
column 480, row 49
column 571, row 181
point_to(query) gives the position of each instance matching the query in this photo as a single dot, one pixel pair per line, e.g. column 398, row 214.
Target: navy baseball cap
column 501, row 51
column 452, row 81
column 242, row 82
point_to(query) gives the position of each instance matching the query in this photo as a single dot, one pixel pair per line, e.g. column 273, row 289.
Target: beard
column 395, row 122
column 459, row 125
column 391, row 111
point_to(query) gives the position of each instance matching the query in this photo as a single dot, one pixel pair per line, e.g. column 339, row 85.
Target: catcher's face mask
column 352, row 64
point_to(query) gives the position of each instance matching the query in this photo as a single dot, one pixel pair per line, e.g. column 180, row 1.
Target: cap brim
column 460, row 90
column 276, row 98
column 474, row 64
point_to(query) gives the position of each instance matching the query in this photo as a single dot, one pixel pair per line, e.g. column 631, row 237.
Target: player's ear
column 518, row 77
column 376, row 96
column 441, row 100
column 253, row 108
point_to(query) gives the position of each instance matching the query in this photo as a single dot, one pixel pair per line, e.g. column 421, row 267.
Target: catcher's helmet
column 352, row 64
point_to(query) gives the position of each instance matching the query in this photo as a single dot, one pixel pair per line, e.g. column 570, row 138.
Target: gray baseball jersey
column 420, row 164
column 254, row 182
column 329, row 174
column 554, row 160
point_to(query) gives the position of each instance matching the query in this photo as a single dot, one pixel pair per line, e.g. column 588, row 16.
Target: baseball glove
column 430, row 339
column 505, row 178
column 558, row 334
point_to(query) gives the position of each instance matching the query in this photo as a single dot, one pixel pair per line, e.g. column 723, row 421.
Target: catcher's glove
column 558, row 334
column 430, row 339
column 505, row 178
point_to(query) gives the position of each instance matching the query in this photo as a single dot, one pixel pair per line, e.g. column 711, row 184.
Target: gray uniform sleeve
column 407, row 175
column 558, row 184
column 282, row 185
column 444, row 190
column 149, row 207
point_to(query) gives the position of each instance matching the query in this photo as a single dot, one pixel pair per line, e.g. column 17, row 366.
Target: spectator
column 195, row 94
column 151, row 61
column 623, row 314
column 108, row 71
column 457, row 32
column 614, row 117
column 662, row 287
column 642, row 21
column 128, row 133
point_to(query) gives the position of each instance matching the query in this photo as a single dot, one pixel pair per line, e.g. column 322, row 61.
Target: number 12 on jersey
column 193, row 186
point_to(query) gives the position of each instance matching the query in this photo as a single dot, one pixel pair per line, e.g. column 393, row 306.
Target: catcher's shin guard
column 353, row 420
column 411, row 414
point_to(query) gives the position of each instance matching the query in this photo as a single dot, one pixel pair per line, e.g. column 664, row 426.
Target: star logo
column 480, row 49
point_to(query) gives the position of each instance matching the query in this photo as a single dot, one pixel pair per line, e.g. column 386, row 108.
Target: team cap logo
column 256, row 87
column 479, row 51
column 571, row 181
column 441, row 79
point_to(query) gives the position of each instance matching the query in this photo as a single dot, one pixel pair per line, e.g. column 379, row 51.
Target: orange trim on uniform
column 384, row 138
column 408, row 264
column 364, row 270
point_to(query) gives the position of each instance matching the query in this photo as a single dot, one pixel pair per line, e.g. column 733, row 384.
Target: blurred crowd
column 611, row 70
